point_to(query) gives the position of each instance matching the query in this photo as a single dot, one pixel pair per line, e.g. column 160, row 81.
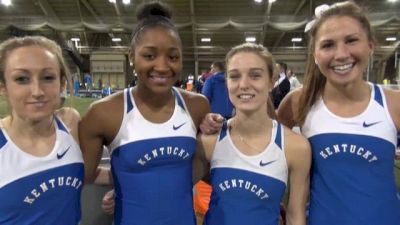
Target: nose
column 36, row 88
column 244, row 82
column 161, row 64
column 342, row 51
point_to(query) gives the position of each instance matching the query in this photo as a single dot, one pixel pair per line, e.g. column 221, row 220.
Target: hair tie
column 319, row 10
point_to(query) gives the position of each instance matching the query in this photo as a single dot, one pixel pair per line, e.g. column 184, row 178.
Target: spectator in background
column 281, row 86
column 88, row 81
column 202, row 79
column 216, row 91
column 294, row 82
column 100, row 84
column 77, row 85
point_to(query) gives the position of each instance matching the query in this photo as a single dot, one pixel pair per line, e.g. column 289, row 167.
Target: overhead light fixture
column 297, row 39
column 75, row 39
column 392, row 0
column 205, row 39
column 112, row 1
column 126, row 2
column 116, row 39
column 6, row 2
column 271, row 1
column 258, row 1
column 250, row 39
column 391, row 39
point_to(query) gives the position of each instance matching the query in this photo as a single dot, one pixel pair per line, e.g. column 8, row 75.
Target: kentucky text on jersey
column 168, row 151
column 73, row 182
column 349, row 149
column 242, row 184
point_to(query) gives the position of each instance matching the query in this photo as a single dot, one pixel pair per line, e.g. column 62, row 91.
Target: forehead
column 159, row 37
column 29, row 54
column 338, row 26
column 31, row 58
column 246, row 60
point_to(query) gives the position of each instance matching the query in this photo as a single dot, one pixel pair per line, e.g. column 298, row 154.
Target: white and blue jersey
column 247, row 189
column 352, row 178
column 41, row 190
column 152, row 167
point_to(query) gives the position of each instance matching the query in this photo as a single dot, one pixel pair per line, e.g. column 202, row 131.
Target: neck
column 356, row 91
column 153, row 100
column 28, row 128
column 248, row 125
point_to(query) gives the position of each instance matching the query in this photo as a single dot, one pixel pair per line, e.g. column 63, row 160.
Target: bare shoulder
column 106, row 107
column 297, row 147
column 393, row 102
column 197, row 105
column 104, row 117
column 68, row 115
column 71, row 118
column 288, row 109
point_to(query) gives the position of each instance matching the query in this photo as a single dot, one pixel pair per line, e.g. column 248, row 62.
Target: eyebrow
column 251, row 69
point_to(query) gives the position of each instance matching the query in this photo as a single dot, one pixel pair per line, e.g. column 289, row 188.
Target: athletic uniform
column 247, row 189
column 41, row 190
column 152, row 167
column 352, row 180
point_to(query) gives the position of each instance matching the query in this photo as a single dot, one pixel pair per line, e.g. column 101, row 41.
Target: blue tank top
column 41, row 190
column 352, row 177
column 152, row 167
column 247, row 189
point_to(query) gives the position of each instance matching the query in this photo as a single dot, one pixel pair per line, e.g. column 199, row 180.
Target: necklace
column 257, row 149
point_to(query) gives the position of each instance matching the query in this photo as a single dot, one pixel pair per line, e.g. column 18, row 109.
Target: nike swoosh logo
column 177, row 127
column 370, row 124
column 267, row 163
column 59, row 156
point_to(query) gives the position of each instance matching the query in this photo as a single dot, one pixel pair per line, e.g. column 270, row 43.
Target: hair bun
column 154, row 8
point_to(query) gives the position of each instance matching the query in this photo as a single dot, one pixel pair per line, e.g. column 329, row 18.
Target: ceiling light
column 206, row 40
column 116, row 39
column 297, row 39
column 75, row 39
column 258, row 1
column 112, row 1
column 391, row 39
column 271, row 1
column 6, row 2
column 126, row 2
column 392, row 0
column 250, row 39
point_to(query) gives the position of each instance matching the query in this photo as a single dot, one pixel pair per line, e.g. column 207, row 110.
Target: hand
column 211, row 123
column 108, row 203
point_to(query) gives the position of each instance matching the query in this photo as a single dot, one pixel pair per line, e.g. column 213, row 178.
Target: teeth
column 245, row 96
column 159, row 78
column 343, row 68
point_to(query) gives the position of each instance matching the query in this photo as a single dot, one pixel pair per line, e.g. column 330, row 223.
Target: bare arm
column 393, row 102
column 204, row 151
column 298, row 154
column 90, row 136
column 288, row 108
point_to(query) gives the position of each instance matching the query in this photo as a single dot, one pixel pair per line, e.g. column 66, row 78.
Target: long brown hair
column 314, row 81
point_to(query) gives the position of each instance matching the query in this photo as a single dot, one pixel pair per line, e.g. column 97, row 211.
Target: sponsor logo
column 59, row 156
column 365, row 124
column 179, row 126
column 262, row 164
